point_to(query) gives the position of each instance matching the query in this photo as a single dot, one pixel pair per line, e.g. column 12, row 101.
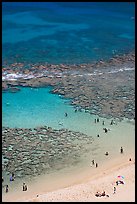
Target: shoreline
column 86, row 189
column 85, row 192
column 74, row 147
column 107, row 94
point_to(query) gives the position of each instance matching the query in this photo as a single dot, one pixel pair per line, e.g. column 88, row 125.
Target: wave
column 16, row 76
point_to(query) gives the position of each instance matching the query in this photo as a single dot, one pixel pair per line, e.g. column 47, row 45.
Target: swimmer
column 60, row 123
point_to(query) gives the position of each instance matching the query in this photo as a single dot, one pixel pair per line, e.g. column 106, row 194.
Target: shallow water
column 34, row 107
column 65, row 33
column 41, row 107
column 121, row 134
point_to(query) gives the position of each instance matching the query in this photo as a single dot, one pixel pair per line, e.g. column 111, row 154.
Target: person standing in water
column 93, row 162
column 7, row 188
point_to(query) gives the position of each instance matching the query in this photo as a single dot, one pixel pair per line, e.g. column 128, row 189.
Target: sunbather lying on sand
column 119, row 182
column 98, row 194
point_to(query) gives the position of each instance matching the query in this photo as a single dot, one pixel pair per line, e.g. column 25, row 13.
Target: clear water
column 66, row 32
column 62, row 32
column 33, row 107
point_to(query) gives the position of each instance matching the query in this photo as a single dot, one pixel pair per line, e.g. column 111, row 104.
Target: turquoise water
column 33, row 107
column 62, row 32
column 66, row 32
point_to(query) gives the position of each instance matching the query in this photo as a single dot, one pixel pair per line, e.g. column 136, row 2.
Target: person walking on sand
column 26, row 188
column 96, row 165
column 23, row 186
column 121, row 150
column 114, row 190
column 92, row 162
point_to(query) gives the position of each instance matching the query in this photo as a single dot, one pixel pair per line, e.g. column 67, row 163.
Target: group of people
column 97, row 120
column 98, row 194
column 12, row 178
column 106, row 130
column 93, row 163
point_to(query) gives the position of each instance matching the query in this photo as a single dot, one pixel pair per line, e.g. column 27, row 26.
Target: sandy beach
column 86, row 190
column 68, row 102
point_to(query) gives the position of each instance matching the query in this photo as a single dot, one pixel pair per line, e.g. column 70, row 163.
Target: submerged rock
column 39, row 152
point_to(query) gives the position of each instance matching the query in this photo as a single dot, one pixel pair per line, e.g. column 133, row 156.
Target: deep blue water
column 66, row 32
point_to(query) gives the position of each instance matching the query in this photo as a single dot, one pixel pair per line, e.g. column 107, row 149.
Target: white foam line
column 13, row 76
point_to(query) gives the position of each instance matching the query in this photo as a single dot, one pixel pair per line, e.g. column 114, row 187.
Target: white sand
column 85, row 192
column 81, row 183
